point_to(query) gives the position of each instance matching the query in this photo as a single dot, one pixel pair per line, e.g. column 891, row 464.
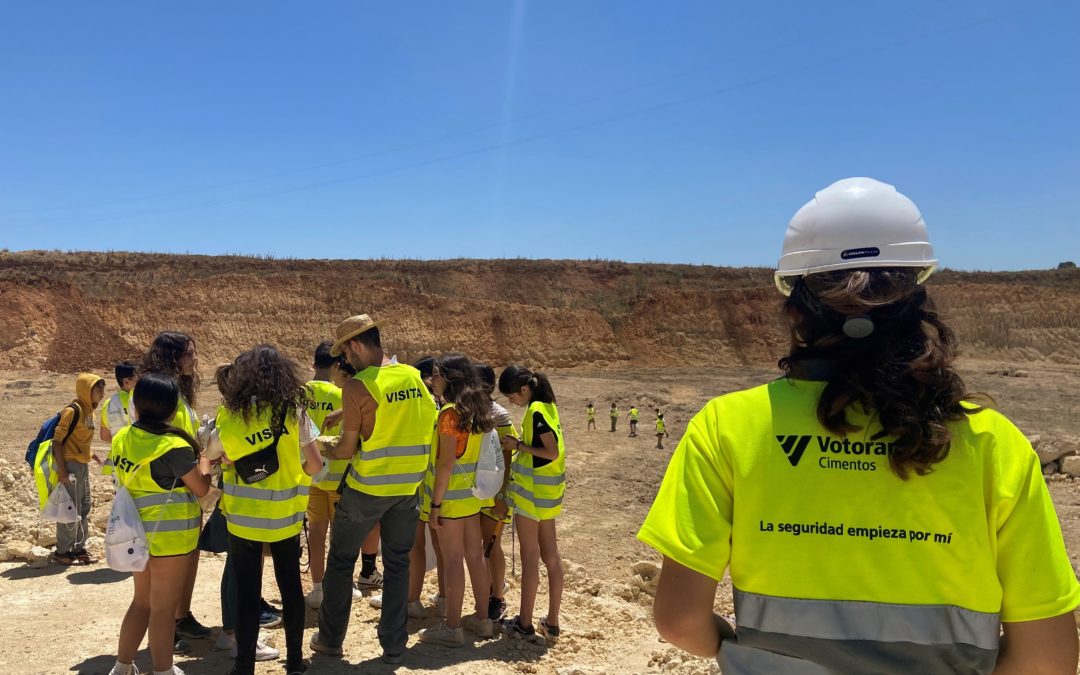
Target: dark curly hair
column 466, row 391
column 164, row 357
column 902, row 372
column 264, row 377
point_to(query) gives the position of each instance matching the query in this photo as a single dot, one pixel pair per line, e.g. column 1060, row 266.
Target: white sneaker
column 481, row 625
column 263, row 651
column 314, row 598
column 443, row 635
column 373, row 581
column 357, row 594
column 225, row 641
column 376, row 601
column 124, row 669
column 416, row 609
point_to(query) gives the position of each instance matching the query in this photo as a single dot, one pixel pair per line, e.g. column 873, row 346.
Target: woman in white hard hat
column 873, row 519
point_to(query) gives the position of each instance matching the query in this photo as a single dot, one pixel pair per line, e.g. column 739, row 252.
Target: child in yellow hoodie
column 72, row 460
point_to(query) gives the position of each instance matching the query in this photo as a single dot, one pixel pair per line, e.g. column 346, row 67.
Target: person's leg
column 188, row 590
column 438, row 561
column 549, row 553
column 417, row 563
column 496, row 562
column 167, row 577
column 247, row 560
column 317, row 531
column 67, row 534
column 398, row 521
column 473, row 539
column 136, row 620
column 369, row 550
column 528, row 540
column 286, row 555
column 82, row 505
column 356, row 514
column 452, row 544
column 228, row 596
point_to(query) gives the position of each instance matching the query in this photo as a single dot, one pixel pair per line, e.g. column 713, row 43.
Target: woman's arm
column 198, row 479
column 313, row 460
column 550, row 450
column 443, row 467
column 1042, row 647
column 683, row 611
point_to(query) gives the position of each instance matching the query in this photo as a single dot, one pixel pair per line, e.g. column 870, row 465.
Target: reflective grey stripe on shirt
column 390, row 479
column 538, row 480
column 178, row 525
column 853, row 636
column 539, row 503
column 335, row 477
column 163, row 498
column 264, row 523
column 457, row 494
column 393, row 451
column 248, row 492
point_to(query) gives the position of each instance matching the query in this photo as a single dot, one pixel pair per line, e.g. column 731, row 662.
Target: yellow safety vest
column 659, row 426
column 325, row 398
column 590, row 412
column 272, row 509
column 392, row 463
column 458, row 500
column 115, row 408
column 614, row 413
column 633, row 414
column 44, row 472
column 171, row 517
column 539, row 491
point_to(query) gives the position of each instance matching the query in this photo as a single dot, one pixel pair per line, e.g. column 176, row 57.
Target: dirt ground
column 63, row 620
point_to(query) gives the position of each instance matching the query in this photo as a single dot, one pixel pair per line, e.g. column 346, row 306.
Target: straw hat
column 350, row 328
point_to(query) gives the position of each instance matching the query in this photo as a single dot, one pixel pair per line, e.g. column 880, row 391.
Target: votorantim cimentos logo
column 835, row 453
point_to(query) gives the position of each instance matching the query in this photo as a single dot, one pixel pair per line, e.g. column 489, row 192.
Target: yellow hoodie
column 77, row 447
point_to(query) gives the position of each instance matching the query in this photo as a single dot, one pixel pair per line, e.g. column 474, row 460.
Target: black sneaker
column 548, row 631
column 496, row 608
column 515, row 629
column 180, row 645
column 191, row 629
column 269, row 619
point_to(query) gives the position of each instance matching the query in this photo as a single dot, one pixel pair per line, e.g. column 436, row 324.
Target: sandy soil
column 57, row 620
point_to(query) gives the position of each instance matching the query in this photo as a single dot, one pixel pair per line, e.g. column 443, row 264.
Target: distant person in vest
column 614, row 413
column 386, row 430
column 873, row 517
column 324, row 407
column 72, row 466
column 270, row 457
column 174, row 354
column 661, row 431
column 590, row 414
column 160, row 466
column 538, row 485
column 114, row 411
column 454, row 512
column 633, row 421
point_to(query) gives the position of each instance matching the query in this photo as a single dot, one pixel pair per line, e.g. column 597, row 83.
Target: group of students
column 373, row 450
column 635, row 414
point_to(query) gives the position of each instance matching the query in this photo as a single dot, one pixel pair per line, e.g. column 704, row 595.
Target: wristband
column 437, row 506
column 517, row 446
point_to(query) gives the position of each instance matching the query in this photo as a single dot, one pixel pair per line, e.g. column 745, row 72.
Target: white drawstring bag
column 490, row 467
column 126, row 547
column 59, row 508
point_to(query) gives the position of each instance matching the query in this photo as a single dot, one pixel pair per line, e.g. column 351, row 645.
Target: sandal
column 548, row 631
column 64, row 559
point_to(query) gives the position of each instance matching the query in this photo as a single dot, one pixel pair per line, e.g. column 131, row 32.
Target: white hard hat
column 854, row 223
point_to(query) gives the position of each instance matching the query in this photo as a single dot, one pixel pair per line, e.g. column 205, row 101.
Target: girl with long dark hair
column 454, row 512
column 271, row 455
column 159, row 464
column 538, row 483
column 873, row 517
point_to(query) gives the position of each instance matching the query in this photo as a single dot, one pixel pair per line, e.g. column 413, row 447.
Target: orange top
column 448, row 426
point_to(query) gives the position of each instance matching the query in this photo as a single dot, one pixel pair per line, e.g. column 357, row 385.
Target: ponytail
column 515, row 377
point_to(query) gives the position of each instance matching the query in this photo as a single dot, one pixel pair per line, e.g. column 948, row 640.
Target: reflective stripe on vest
column 45, row 477
column 273, row 508
column 171, row 516
column 393, row 461
column 338, row 467
column 848, row 636
column 538, row 491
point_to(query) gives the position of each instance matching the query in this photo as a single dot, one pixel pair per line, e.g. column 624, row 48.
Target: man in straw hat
column 388, row 422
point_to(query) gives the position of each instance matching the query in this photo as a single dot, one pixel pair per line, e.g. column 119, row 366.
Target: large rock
column 19, row 549
column 39, row 557
column 1050, row 449
column 1070, row 466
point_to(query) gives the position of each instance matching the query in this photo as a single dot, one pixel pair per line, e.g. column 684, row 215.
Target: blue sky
column 642, row 131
